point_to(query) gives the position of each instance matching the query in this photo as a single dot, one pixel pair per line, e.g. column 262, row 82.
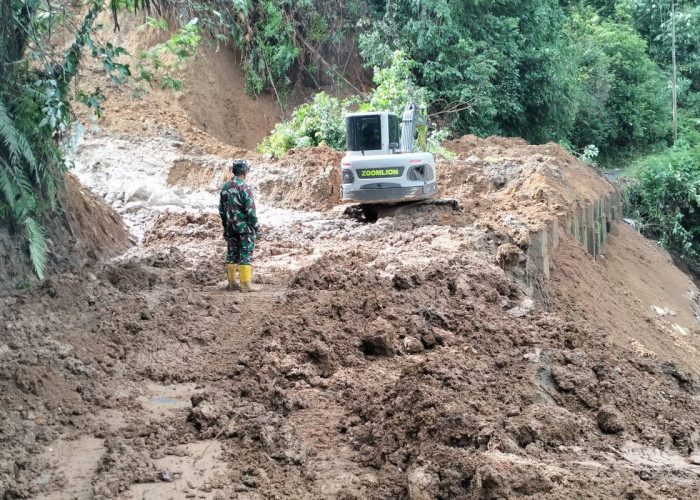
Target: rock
column 412, row 345
column 422, row 485
column 523, row 309
column 680, row 329
column 695, row 459
column 644, row 475
column 609, row 420
column 429, row 340
column 508, row 255
column 563, row 378
column 659, row 310
column 379, row 339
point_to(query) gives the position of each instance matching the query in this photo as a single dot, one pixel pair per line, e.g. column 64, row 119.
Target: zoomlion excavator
column 378, row 168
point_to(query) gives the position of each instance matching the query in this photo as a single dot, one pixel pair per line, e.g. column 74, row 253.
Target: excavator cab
column 380, row 165
column 364, row 133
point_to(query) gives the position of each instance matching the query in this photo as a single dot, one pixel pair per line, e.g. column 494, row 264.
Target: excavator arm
column 413, row 119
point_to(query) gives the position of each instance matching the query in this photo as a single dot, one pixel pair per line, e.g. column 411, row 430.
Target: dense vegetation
column 36, row 96
column 592, row 75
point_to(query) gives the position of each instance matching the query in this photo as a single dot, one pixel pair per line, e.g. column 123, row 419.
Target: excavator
column 381, row 168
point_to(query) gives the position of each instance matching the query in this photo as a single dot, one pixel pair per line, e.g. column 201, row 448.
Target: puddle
column 161, row 399
column 652, row 457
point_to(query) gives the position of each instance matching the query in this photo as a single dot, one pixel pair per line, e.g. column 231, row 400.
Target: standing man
column 241, row 227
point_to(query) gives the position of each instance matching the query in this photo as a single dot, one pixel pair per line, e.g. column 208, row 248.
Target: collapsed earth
column 484, row 347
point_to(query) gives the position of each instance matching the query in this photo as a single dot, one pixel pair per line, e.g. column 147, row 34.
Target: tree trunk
column 674, row 96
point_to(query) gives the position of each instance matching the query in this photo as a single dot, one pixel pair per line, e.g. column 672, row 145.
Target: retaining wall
column 588, row 224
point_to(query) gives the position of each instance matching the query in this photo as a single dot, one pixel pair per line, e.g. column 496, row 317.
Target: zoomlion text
column 386, row 172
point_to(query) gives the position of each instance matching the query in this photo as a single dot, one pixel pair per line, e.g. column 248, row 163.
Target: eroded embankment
column 81, row 230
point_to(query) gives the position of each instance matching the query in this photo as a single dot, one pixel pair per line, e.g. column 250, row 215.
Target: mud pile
column 450, row 380
column 303, row 180
column 497, row 177
column 84, row 230
column 413, row 357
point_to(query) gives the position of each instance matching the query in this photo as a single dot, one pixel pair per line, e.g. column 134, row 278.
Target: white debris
column 680, row 329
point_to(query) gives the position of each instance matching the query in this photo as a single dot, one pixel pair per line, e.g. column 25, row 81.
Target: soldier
column 241, row 227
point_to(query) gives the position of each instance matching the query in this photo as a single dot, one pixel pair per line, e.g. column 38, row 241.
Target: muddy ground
column 389, row 360
column 414, row 357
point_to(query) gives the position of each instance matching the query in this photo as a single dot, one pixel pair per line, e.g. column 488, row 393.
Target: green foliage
column 542, row 70
column 626, row 101
column 35, row 110
column 667, row 199
column 491, row 67
column 395, row 86
column 164, row 60
column 29, row 165
column 589, row 155
column 283, row 42
column 323, row 119
column 652, row 20
column 313, row 123
column 434, row 145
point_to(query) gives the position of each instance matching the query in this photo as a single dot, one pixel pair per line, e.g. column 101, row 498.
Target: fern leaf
column 37, row 246
column 24, row 182
column 24, row 206
column 8, row 188
column 16, row 142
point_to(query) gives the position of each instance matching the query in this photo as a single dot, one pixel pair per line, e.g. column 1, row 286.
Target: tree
column 520, row 68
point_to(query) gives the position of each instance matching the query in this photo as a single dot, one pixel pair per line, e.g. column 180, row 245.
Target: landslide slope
column 416, row 357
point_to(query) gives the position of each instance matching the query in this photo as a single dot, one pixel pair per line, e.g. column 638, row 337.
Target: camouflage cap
column 240, row 166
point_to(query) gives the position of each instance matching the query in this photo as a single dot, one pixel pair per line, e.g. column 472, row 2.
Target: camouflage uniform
column 237, row 211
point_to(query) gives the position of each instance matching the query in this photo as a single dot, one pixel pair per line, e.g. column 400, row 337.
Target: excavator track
column 375, row 211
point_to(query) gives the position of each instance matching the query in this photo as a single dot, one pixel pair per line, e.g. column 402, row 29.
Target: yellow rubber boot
column 246, row 272
column 231, row 274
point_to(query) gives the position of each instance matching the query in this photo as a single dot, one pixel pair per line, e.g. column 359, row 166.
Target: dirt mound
column 502, row 397
column 471, row 144
column 408, row 358
column 302, row 179
column 398, row 359
column 499, row 177
column 85, row 231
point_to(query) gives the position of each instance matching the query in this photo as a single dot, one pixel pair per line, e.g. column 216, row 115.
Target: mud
column 396, row 359
column 83, row 230
column 415, row 357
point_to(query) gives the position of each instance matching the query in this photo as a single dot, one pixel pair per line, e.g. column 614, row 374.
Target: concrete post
column 583, row 225
column 590, row 229
column 538, row 251
column 553, row 233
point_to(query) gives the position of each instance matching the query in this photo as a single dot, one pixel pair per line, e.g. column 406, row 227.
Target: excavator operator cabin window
column 364, row 133
column 393, row 129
